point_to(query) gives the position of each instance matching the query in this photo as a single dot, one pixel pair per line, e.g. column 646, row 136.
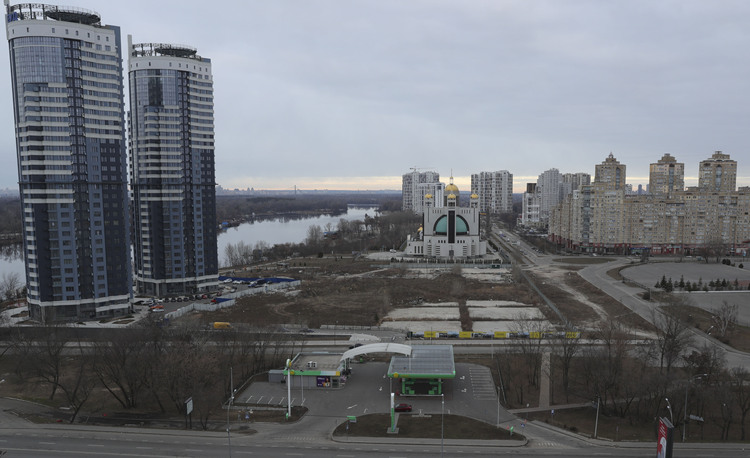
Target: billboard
column 664, row 438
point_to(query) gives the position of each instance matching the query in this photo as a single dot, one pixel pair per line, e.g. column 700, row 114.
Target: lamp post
column 669, row 407
column 229, row 407
column 684, row 415
column 288, row 388
column 596, row 423
column 442, row 421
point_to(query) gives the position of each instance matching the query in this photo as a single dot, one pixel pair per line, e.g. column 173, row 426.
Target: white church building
column 450, row 231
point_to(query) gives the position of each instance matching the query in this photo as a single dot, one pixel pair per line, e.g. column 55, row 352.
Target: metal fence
column 211, row 307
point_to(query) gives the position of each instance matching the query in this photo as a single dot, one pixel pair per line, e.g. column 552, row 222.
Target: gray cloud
column 371, row 88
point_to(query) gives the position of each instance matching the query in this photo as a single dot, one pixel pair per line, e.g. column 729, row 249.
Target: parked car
column 402, row 408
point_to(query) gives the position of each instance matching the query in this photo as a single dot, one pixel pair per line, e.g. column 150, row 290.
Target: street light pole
column 442, row 421
column 288, row 388
column 596, row 423
column 684, row 415
column 669, row 407
column 229, row 407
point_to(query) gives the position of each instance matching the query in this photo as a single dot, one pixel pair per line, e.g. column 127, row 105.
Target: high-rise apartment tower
column 666, row 176
column 718, row 173
column 495, row 191
column 66, row 77
column 416, row 185
column 610, row 174
column 172, row 169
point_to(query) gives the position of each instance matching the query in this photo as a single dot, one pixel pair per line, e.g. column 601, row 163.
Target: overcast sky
column 352, row 94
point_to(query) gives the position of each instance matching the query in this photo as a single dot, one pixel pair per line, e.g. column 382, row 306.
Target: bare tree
column 714, row 247
column 77, row 382
column 9, row 285
column 740, row 380
column 603, row 365
column 46, row 355
column 314, row 236
column 530, row 348
column 709, row 360
column 566, row 349
column 725, row 317
column 672, row 335
column 119, row 365
column 231, row 257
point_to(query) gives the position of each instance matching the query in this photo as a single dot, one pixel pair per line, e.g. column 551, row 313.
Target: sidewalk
column 726, row 446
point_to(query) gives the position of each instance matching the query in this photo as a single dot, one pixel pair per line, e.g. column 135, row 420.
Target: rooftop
column 426, row 361
column 40, row 11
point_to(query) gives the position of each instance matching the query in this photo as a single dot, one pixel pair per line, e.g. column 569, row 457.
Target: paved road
column 628, row 296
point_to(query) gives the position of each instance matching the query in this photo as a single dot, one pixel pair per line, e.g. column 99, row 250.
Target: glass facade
column 69, row 120
column 172, row 171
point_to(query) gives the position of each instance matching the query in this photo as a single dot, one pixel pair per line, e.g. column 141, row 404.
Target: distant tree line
column 231, row 208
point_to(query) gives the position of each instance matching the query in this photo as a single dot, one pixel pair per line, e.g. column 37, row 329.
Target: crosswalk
column 482, row 385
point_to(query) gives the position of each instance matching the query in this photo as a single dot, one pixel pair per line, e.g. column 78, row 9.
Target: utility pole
column 596, row 423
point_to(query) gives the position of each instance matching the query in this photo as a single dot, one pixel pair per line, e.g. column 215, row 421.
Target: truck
column 222, row 325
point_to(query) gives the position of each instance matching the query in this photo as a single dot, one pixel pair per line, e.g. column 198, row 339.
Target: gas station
column 418, row 370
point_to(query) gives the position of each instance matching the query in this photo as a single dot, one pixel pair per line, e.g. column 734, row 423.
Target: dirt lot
column 358, row 293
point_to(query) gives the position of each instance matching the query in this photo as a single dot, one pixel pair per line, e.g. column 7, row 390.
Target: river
column 272, row 231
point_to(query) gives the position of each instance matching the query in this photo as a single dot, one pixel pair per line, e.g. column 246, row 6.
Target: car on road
column 402, row 408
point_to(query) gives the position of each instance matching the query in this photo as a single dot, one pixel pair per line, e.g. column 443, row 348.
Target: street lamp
column 229, row 407
column 442, row 421
column 684, row 415
column 596, row 423
column 669, row 407
column 302, row 388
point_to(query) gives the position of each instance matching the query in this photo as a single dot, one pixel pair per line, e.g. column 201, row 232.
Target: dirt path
column 557, row 277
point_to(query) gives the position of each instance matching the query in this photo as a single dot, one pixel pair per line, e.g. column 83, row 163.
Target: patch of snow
column 495, row 304
column 422, row 326
column 426, row 313
column 505, row 313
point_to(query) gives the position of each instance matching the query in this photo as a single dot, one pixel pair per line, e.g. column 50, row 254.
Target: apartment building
column 718, row 173
column 495, row 191
column 66, row 78
column 172, row 169
column 666, row 176
column 416, row 185
column 676, row 222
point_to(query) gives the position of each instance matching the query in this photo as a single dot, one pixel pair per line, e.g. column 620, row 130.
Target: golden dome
column 428, row 196
column 451, row 188
column 475, row 196
column 451, row 196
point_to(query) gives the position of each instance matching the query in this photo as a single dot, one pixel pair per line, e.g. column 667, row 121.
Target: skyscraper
column 172, row 169
column 495, row 191
column 610, row 174
column 718, row 173
column 416, row 185
column 66, row 76
column 666, row 176
column 549, row 187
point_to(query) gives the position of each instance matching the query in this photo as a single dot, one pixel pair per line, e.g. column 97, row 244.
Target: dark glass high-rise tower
column 171, row 125
column 66, row 73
